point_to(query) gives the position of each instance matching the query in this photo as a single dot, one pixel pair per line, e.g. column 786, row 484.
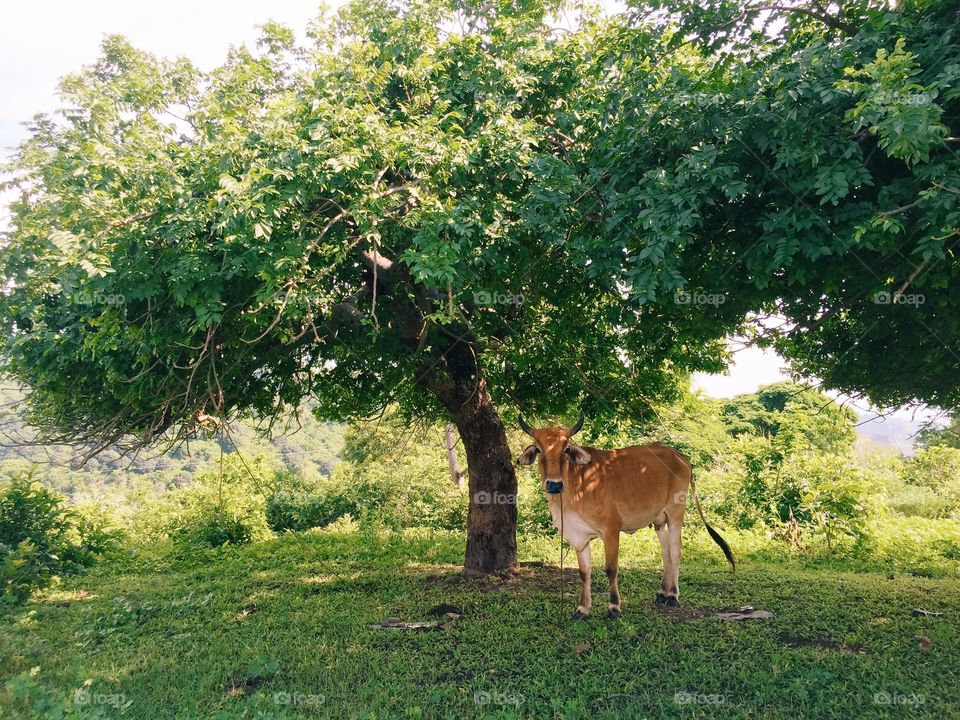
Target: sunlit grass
column 280, row 629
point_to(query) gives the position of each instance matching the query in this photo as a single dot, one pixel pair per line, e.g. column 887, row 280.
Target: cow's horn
column 523, row 426
column 576, row 428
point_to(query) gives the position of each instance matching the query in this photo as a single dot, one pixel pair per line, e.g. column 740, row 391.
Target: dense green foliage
column 395, row 476
column 803, row 163
column 782, row 455
column 43, row 538
column 330, row 221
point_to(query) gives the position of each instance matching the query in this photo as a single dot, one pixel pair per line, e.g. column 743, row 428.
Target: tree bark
column 457, row 381
column 455, row 378
column 492, row 518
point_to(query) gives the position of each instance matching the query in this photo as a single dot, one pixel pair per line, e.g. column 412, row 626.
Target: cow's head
column 555, row 450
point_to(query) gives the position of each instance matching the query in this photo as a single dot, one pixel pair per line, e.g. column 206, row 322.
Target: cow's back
column 634, row 484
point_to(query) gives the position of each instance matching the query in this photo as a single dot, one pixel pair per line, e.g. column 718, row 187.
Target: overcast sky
column 43, row 40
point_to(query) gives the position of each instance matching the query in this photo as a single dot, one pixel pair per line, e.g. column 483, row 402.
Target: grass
column 280, row 629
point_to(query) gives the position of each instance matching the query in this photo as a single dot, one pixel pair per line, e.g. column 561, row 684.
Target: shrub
column 418, row 492
column 827, row 491
column 43, row 537
column 217, row 529
column 218, row 508
column 22, row 571
column 533, row 513
column 304, row 510
column 376, row 491
column 938, row 469
column 917, row 501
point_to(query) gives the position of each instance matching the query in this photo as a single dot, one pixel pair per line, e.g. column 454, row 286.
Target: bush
column 533, row 513
column 376, row 490
column 22, row 571
column 838, row 496
column 917, row 501
column 217, row 509
column 304, row 510
column 418, row 492
column 217, row 529
column 936, row 468
column 43, row 537
column 825, row 491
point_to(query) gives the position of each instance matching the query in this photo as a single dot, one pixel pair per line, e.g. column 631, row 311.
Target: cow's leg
column 611, row 548
column 673, row 590
column 663, row 534
column 583, row 560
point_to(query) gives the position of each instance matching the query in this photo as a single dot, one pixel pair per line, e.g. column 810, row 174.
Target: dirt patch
column 247, row 686
column 543, row 577
column 445, row 581
column 343, row 585
column 800, row 642
column 445, row 610
column 247, row 610
column 536, row 574
column 684, row 613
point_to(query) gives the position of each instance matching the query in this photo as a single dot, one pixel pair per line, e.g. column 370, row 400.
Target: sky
column 43, row 40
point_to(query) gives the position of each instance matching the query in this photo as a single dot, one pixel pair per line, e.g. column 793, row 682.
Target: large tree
column 380, row 218
column 455, row 208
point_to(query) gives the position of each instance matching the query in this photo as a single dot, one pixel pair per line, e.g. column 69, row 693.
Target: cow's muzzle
column 554, row 486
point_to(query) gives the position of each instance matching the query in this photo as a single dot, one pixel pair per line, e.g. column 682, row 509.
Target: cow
column 600, row 493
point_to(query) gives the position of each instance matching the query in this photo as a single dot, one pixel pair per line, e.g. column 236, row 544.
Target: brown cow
column 600, row 493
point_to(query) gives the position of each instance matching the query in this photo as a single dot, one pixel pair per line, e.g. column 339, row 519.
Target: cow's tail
column 713, row 533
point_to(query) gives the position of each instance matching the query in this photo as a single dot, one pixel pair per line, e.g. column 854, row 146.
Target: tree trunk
column 456, row 474
column 492, row 519
column 458, row 382
column 454, row 377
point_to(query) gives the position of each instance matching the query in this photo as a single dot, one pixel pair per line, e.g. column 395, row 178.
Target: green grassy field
column 281, row 630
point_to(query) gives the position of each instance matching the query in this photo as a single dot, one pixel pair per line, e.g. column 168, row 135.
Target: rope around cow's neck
column 561, row 556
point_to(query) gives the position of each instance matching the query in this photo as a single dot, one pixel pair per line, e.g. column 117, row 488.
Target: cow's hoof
column 613, row 614
column 661, row 599
column 577, row 615
column 672, row 602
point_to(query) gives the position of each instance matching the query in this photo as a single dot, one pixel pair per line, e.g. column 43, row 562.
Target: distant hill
column 313, row 449
column 890, row 432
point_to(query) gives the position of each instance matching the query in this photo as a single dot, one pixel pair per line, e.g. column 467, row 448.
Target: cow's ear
column 578, row 455
column 527, row 456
